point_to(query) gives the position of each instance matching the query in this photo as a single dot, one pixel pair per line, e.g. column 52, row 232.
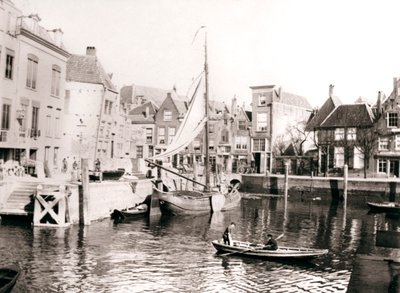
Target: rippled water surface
column 174, row 254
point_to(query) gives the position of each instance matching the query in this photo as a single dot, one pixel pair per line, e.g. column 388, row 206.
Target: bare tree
column 298, row 136
column 365, row 142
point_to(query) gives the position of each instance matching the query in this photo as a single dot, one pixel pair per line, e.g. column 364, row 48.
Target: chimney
column 57, row 36
column 395, row 87
column 379, row 104
column 169, row 95
column 91, row 51
column 331, row 86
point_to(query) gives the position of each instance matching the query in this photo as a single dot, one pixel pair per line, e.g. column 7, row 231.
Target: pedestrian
column 271, row 243
column 75, row 165
column 97, row 165
column 64, row 165
column 227, row 236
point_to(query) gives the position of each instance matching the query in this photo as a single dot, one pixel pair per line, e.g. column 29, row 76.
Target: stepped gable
column 315, row 121
column 87, row 69
column 353, row 115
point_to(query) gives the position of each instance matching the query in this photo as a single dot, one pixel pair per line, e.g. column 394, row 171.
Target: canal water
column 174, row 254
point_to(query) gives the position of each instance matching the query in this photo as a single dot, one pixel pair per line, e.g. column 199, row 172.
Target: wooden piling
column 286, row 187
column 84, row 216
column 345, row 181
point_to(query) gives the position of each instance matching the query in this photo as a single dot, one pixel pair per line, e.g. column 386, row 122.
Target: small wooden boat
column 106, row 175
column 384, row 207
column 8, row 278
column 136, row 212
column 256, row 250
column 189, row 202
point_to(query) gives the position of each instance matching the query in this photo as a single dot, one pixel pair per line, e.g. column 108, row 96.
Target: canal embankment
column 383, row 188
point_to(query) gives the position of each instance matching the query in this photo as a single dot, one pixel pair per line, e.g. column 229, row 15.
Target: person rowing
column 271, row 244
column 227, row 236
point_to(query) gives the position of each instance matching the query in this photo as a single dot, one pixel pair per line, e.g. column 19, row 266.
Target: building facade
column 32, row 89
column 273, row 110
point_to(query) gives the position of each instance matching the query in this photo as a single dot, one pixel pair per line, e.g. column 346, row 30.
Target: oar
column 243, row 251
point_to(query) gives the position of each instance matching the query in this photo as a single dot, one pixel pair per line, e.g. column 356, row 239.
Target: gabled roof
column 216, row 106
column 354, row 115
column 315, row 121
column 87, row 69
column 138, row 114
column 294, row 100
column 149, row 93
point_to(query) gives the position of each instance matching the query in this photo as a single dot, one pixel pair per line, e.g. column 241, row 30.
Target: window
column 383, row 143
column 5, row 117
column 358, row 159
column 48, row 125
column 241, row 142
column 9, row 64
column 339, row 157
column 55, row 157
column 225, row 136
column 139, row 151
column 35, row 121
column 149, row 135
column 339, row 133
column 161, row 135
column 108, row 107
column 262, row 100
column 211, row 146
column 167, row 115
column 57, row 128
column 397, row 142
column 211, row 128
column 171, row 134
column 381, row 166
column 151, row 151
column 46, row 153
column 31, row 74
column 392, row 119
column 259, row 145
column 261, row 121
column 196, row 145
column 351, row 133
column 242, row 125
column 55, row 80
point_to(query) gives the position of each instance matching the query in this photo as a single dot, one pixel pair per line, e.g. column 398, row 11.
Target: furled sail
column 191, row 126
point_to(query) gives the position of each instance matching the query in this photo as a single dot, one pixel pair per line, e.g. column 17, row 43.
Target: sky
column 302, row 46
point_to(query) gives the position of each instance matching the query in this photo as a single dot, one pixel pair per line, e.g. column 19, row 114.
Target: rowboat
column 136, row 212
column 384, row 207
column 256, row 250
column 8, row 278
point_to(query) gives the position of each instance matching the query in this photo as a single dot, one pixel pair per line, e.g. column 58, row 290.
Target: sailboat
column 183, row 202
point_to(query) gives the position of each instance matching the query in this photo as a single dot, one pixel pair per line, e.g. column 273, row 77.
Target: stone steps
column 20, row 201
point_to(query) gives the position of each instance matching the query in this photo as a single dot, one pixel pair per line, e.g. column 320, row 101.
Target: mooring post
column 286, row 187
column 84, row 200
column 345, row 179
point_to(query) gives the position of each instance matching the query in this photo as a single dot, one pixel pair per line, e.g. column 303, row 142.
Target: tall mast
column 206, row 126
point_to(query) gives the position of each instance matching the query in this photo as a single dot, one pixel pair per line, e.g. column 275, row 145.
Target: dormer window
column 392, row 118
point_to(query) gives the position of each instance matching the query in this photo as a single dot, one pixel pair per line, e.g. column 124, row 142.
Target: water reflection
column 174, row 254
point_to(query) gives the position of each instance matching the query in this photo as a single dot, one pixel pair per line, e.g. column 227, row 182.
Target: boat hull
column 186, row 202
column 8, row 278
column 255, row 250
column 385, row 207
column 129, row 214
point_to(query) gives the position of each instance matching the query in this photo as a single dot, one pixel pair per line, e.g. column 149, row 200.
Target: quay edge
column 325, row 187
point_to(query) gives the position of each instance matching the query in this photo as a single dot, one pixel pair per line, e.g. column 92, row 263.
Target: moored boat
column 8, row 278
column 384, row 207
column 194, row 124
column 131, row 213
column 184, row 202
column 256, row 250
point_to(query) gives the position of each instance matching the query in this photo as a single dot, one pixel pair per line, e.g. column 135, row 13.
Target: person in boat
column 271, row 243
column 227, row 236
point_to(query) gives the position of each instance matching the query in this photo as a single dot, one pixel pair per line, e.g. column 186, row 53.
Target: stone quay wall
column 106, row 196
column 383, row 188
